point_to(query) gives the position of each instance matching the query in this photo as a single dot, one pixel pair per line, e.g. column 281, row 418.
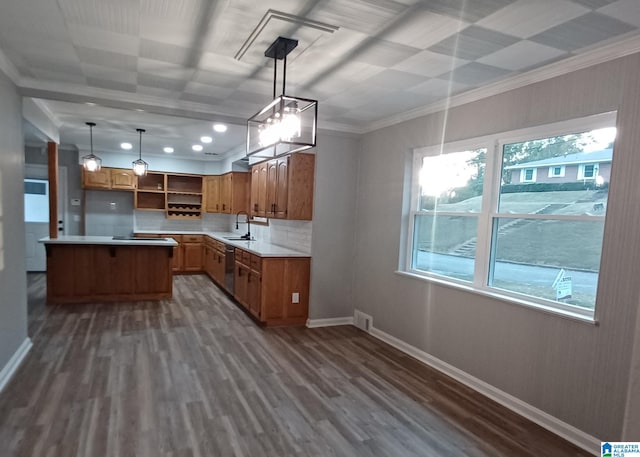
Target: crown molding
column 8, row 68
column 607, row 53
column 42, row 104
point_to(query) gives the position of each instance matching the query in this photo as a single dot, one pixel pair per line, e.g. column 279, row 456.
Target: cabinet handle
column 239, row 271
column 255, row 207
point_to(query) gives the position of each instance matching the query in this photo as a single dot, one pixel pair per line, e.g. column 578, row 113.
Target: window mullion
column 483, row 243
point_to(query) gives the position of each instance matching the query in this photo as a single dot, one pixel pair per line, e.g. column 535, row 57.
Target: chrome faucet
column 248, row 235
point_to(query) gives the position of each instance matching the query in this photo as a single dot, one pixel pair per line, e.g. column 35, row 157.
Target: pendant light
column 91, row 162
column 287, row 124
column 140, row 166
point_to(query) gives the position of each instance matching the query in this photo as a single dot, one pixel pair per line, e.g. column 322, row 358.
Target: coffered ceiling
column 197, row 61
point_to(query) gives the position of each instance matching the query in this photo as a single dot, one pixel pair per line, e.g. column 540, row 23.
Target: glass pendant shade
column 91, row 162
column 139, row 166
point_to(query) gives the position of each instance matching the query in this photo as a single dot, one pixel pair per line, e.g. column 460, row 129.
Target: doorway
column 36, row 212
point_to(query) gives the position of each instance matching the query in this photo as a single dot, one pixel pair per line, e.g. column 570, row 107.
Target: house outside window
column 474, row 225
column 528, row 175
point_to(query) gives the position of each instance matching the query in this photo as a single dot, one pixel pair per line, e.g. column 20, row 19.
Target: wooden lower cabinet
column 213, row 260
column 96, row 273
column 273, row 289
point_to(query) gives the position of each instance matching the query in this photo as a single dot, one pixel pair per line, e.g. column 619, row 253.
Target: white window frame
column 489, row 212
column 581, row 167
column 523, row 174
column 560, row 175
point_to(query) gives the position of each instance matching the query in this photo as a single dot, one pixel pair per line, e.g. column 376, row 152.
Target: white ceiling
column 187, row 63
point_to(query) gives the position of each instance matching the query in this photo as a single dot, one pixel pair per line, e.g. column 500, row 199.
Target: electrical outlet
column 295, row 297
column 113, row 206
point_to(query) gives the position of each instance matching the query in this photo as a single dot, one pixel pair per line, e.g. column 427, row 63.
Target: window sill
column 503, row 297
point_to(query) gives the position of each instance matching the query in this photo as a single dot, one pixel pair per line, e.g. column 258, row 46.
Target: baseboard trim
column 14, row 363
column 545, row 420
column 334, row 321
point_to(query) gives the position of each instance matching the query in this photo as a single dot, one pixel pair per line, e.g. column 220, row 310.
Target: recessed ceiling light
column 206, row 139
column 221, row 128
column 168, row 150
column 126, row 146
column 140, row 110
column 197, row 147
column 90, row 104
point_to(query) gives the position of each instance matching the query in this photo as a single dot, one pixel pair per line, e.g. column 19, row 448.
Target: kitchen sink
column 238, row 238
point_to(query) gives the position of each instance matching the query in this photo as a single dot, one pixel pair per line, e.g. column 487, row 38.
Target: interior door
column 36, row 211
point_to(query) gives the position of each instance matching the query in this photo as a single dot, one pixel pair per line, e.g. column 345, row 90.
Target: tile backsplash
column 290, row 234
column 108, row 213
column 156, row 220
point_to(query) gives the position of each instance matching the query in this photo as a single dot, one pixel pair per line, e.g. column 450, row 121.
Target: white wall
column 335, row 226
column 577, row 372
column 13, row 288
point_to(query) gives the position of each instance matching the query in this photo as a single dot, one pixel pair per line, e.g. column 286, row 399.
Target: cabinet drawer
column 192, row 238
column 256, row 263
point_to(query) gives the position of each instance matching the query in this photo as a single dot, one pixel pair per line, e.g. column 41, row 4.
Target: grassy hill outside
column 572, row 245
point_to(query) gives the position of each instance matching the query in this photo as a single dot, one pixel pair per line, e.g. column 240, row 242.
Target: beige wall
column 335, row 226
column 574, row 371
column 13, row 289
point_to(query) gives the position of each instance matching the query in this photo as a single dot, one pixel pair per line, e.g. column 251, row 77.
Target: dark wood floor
column 194, row 376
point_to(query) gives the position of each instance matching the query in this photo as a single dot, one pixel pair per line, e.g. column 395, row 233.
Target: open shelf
column 184, row 184
column 152, row 182
column 150, row 200
column 180, row 196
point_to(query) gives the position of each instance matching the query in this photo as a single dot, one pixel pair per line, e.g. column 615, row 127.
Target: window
column 528, row 175
column 474, row 223
column 557, row 171
column 587, row 171
column 446, row 220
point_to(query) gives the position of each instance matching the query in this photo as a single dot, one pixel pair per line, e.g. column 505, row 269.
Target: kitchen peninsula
column 85, row 269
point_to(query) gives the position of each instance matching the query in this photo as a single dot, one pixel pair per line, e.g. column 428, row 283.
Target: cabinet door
column 282, row 183
column 254, row 206
column 253, row 292
column 225, row 192
column 212, row 194
column 100, row 179
column 219, row 266
column 176, row 261
column 192, row 260
column 241, row 282
column 123, row 179
column 272, row 187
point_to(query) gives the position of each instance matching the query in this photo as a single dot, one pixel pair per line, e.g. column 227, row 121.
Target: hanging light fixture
column 140, row 166
column 91, row 162
column 287, row 124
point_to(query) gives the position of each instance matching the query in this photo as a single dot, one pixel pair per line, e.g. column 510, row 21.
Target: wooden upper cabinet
column 258, row 190
column 282, row 186
column 100, row 179
column 286, row 184
column 123, row 179
column 226, row 182
column 212, row 194
column 109, row 179
column 234, row 192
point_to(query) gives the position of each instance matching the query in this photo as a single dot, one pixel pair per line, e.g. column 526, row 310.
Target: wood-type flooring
column 194, row 376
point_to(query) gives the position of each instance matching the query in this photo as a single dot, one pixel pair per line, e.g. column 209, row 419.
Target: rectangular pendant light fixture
column 287, row 124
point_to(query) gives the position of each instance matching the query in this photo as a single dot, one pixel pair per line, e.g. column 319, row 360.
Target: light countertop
column 109, row 240
column 260, row 248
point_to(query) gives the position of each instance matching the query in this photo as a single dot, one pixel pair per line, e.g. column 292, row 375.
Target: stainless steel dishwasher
column 229, row 267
